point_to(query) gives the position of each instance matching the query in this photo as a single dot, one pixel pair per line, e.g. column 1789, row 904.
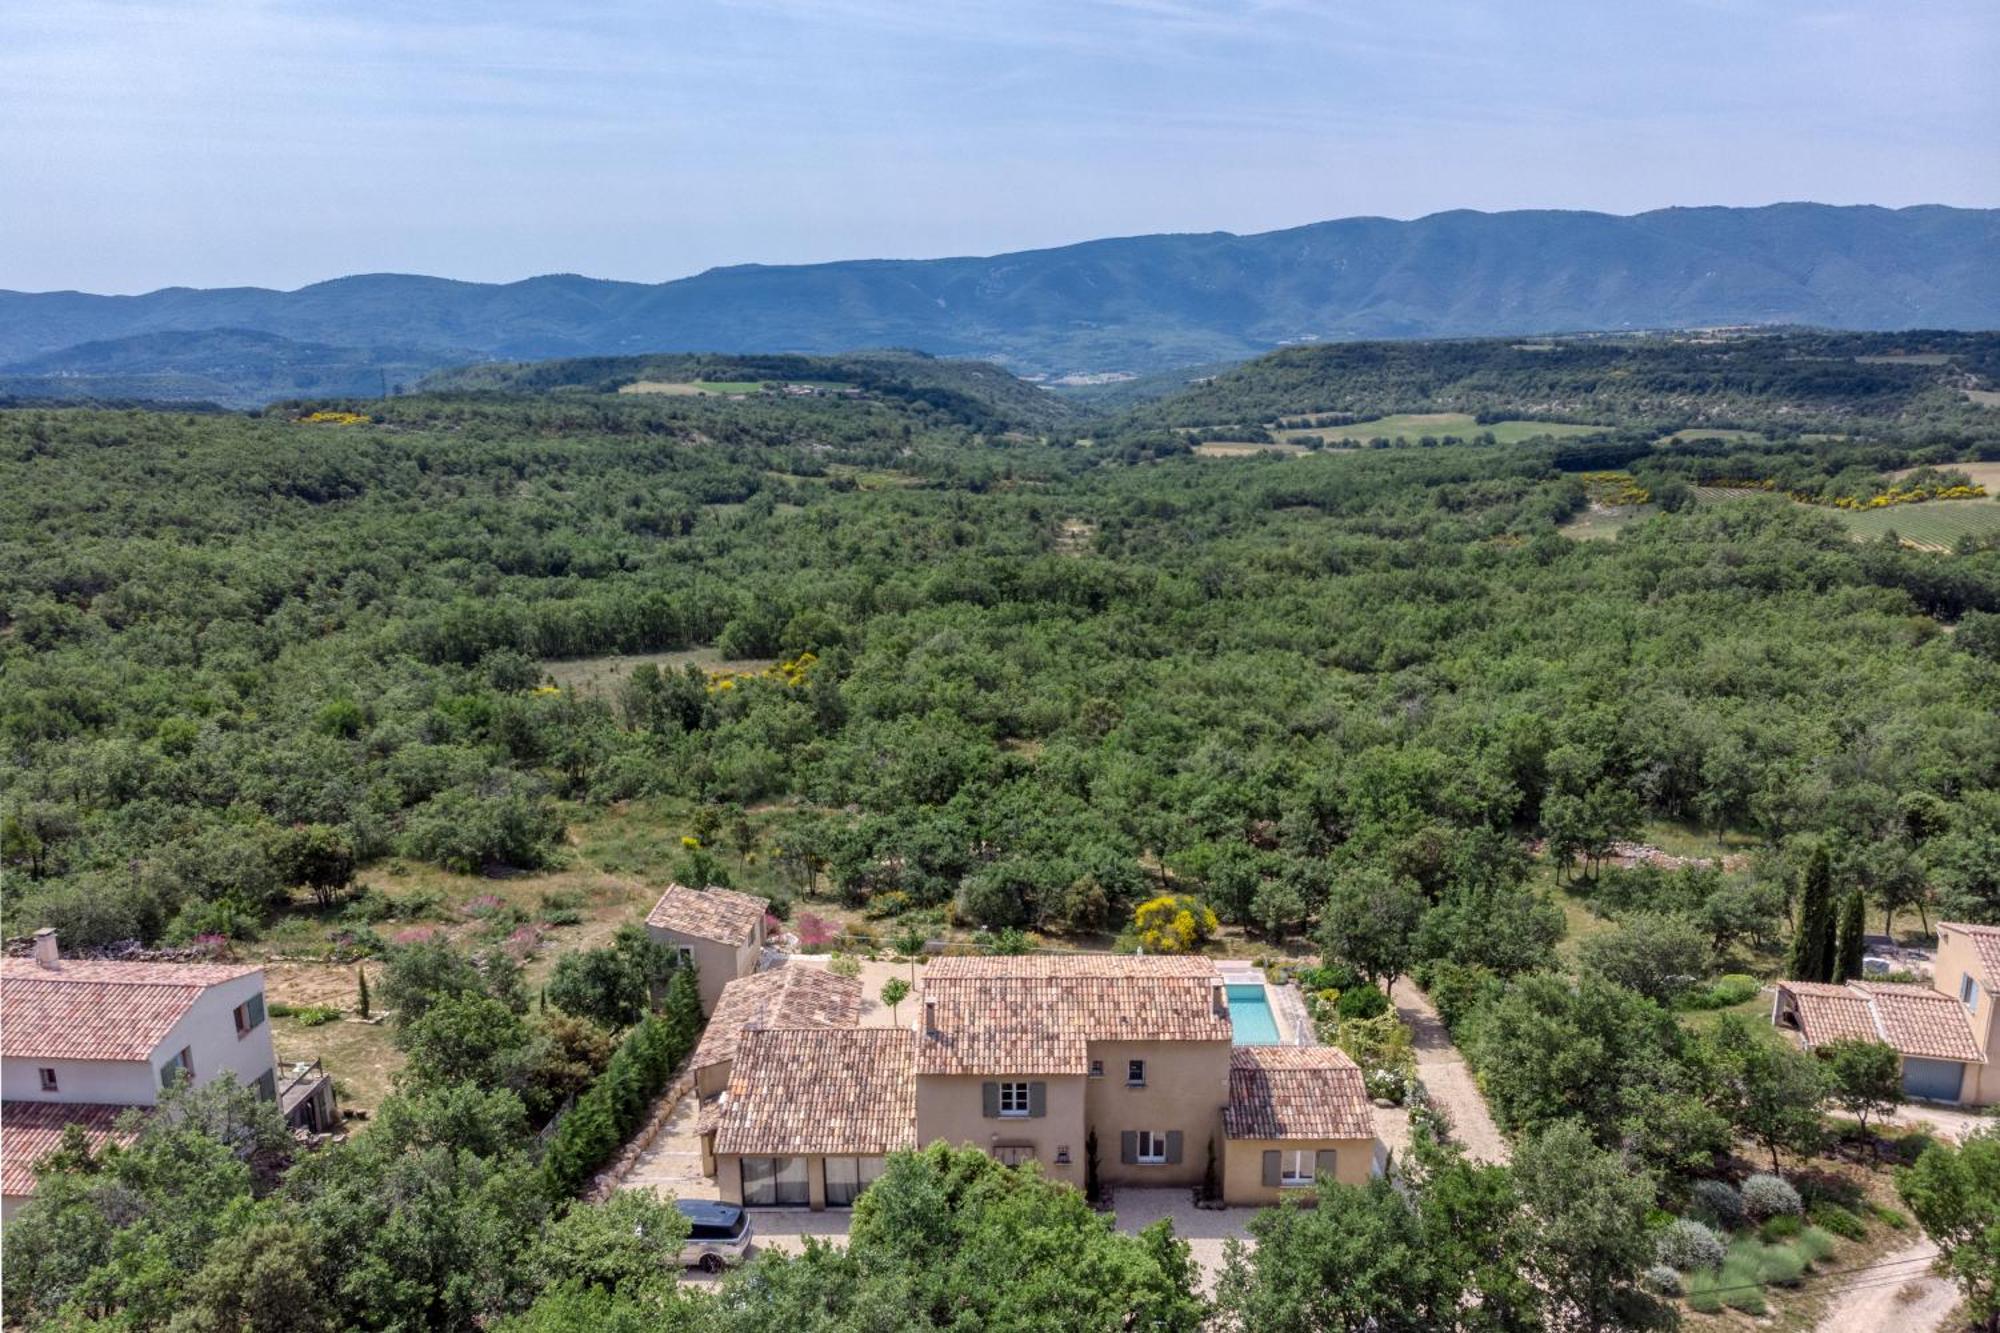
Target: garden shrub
column 1703, row 1294
column 1888, row 1216
column 1687, row 1245
column 1362, row 1002
column 1662, row 1280
column 1718, row 1203
column 1782, row 1227
column 1814, row 1244
column 1781, row 1265
column 1768, row 1196
column 1838, row 1220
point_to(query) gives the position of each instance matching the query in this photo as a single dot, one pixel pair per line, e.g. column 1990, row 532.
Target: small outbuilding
column 719, row 930
column 1295, row 1114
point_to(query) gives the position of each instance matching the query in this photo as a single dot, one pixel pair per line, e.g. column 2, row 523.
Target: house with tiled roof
column 1944, row 1031
column 83, row 1040
column 719, row 930
column 794, row 996
column 1032, row 1059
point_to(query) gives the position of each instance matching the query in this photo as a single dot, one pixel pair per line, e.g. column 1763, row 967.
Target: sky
column 153, row 143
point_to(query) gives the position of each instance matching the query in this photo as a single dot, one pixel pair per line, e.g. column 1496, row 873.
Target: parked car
column 719, row 1234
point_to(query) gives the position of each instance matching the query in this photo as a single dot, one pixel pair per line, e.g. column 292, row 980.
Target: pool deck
column 1288, row 1007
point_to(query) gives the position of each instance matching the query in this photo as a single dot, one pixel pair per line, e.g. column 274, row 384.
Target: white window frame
column 1135, row 1073
column 50, row 1083
column 1297, row 1168
column 1015, row 1101
column 1151, row 1149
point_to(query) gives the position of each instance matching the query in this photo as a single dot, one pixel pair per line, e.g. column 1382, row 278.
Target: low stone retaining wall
column 608, row 1180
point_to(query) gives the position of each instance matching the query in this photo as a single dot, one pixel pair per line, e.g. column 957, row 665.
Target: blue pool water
column 1250, row 1015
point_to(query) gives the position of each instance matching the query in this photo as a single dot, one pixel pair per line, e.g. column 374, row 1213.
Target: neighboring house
column 85, row 1040
column 1025, row 1058
column 720, row 931
column 1932, row 1031
column 794, row 996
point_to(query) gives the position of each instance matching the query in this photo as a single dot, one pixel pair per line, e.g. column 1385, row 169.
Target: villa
column 1945, row 1032
column 720, row 931
column 1035, row 1059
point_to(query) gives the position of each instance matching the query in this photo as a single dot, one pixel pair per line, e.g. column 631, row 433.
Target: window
column 1013, row 1154
column 1062, row 1155
column 1296, row 1168
column 1097, row 1069
column 1968, row 991
column 1013, row 1099
column 1135, row 1073
column 770, row 1181
column 267, row 1085
column 49, row 1081
column 1152, row 1145
column 846, row 1177
column 249, row 1016
column 685, row 955
column 181, row 1066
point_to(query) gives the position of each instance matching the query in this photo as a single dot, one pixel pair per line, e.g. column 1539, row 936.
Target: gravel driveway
column 1449, row 1082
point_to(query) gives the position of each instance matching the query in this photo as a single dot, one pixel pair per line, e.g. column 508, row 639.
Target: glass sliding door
column 775, row 1181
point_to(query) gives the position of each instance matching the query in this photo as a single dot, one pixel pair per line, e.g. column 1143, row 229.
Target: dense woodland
column 1033, row 669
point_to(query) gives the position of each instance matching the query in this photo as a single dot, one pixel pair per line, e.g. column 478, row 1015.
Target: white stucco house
column 81, row 1041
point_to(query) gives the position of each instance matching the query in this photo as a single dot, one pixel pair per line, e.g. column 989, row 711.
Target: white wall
column 209, row 1028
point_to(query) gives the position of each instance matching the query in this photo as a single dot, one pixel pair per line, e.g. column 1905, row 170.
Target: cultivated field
column 1935, row 526
column 1245, row 449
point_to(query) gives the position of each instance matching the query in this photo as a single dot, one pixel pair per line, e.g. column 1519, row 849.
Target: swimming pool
column 1250, row 1015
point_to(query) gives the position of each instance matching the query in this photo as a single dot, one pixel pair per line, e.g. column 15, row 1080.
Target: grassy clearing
column 1713, row 433
column 1245, row 449
column 1982, row 474
column 602, row 676
column 873, row 478
column 1678, row 838
column 1411, row 427
column 1984, row 397
column 686, row 388
column 1603, row 523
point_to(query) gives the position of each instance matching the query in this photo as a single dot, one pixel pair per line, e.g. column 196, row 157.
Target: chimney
column 930, row 1016
column 1218, row 997
column 46, row 953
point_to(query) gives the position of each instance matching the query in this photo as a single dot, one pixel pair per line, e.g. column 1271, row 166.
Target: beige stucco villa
column 1025, row 1058
column 1945, row 1032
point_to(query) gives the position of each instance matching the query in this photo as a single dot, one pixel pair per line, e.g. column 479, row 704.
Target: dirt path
column 1445, row 1075
column 1895, row 1292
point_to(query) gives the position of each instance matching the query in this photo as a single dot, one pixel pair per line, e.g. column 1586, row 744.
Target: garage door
column 1933, row 1080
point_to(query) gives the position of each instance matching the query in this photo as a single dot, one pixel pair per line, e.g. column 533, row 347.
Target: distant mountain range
column 1137, row 304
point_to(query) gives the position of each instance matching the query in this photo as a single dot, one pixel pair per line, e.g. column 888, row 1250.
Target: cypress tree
column 1847, row 958
column 362, row 973
column 1813, row 942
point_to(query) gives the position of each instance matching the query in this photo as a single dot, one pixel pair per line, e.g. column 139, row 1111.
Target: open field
column 1982, row 474
column 685, row 388
column 1602, row 523
column 1413, row 426
column 1984, row 397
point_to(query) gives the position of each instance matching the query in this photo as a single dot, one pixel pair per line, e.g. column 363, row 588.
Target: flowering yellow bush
column 335, row 418
column 1173, row 923
column 791, row 674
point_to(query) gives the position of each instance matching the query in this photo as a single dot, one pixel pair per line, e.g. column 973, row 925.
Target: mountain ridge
column 1147, row 302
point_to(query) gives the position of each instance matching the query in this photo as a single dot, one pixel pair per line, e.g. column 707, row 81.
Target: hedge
column 612, row 1110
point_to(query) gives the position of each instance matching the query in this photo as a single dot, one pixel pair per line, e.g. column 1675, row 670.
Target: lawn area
column 602, row 676
column 1413, row 426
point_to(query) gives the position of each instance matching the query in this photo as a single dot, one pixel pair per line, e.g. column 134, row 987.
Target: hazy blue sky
column 220, row 142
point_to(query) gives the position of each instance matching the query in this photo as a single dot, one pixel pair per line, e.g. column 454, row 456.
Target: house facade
column 1945, row 1032
column 720, row 931
column 1037, row 1059
column 82, row 1041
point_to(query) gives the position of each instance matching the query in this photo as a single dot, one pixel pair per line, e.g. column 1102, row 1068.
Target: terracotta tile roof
column 89, row 1010
column 1830, row 1013
column 722, row 915
column 1916, row 1020
column 820, row 1090
column 1919, row 1021
column 1985, row 946
column 1296, row 1092
column 798, row 995
column 30, row 1131
column 1037, row 1014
